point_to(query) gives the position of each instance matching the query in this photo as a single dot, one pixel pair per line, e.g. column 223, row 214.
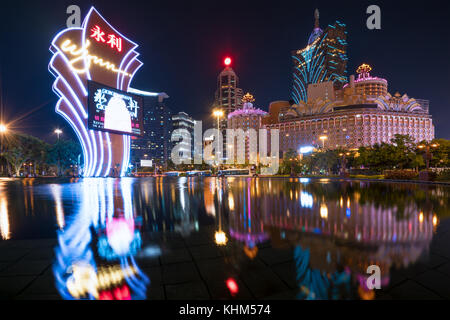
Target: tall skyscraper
column 323, row 59
column 228, row 95
column 155, row 142
column 182, row 120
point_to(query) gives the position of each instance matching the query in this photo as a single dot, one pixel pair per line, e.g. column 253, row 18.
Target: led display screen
column 114, row 110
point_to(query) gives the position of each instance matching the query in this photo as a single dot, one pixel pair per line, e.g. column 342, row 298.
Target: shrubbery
column 400, row 174
column 444, row 175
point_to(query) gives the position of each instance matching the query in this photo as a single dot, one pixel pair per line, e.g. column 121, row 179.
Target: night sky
column 183, row 44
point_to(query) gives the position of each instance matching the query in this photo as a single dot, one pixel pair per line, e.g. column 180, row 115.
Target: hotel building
column 362, row 113
column 323, row 59
column 246, row 119
column 183, row 121
column 154, row 144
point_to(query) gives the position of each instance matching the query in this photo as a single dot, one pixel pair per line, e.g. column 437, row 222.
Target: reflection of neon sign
column 84, row 280
column 76, row 272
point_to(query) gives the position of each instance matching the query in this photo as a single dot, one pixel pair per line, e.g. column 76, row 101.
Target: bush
column 365, row 172
column 443, row 175
column 400, row 174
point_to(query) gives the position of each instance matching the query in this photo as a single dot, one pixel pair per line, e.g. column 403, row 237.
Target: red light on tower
column 227, row 61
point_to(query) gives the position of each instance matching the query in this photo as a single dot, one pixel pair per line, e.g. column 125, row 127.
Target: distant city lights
column 306, row 149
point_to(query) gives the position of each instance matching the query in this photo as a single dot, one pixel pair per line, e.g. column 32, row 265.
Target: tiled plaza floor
column 195, row 268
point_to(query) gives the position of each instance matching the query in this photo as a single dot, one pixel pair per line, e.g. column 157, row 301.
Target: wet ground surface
column 286, row 239
column 196, row 268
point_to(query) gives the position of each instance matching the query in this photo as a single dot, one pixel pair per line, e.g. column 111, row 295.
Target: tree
column 21, row 148
column 291, row 164
column 441, row 154
column 63, row 154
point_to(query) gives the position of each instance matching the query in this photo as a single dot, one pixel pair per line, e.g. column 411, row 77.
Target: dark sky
column 183, row 43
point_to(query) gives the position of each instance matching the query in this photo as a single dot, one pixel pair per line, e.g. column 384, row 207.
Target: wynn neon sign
column 98, row 52
column 83, row 57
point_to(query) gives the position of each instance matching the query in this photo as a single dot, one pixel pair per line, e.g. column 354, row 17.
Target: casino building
column 323, row 59
column 362, row 113
column 246, row 118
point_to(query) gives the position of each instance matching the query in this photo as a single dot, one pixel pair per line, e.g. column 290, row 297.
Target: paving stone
column 187, row 291
column 42, row 285
column 285, row 295
column 439, row 244
column 411, row 290
column 176, row 256
column 263, row 283
column 271, row 256
column 144, row 262
column 4, row 265
column 286, row 271
column 11, row 286
column 155, row 293
column 24, row 267
column 38, row 297
column 215, row 269
column 205, row 252
column 395, row 278
column 196, row 239
column 40, row 254
column 435, row 281
column 154, row 274
column 179, row 273
column 413, row 270
column 12, row 254
column 445, row 269
column 219, row 290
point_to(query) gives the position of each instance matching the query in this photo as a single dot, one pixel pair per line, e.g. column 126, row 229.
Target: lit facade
column 246, row 119
column 155, row 142
column 323, row 59
column 182, row 120
column 228, row 96
column 356, row 117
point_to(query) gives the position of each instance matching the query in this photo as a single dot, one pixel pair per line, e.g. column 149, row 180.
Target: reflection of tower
column 246, row 220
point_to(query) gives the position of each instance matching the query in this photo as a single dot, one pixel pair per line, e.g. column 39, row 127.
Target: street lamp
column 218, row 113
column 323, row 138
column 58, row 132
column 344, row 156
column 3, row 130
column 428, row 153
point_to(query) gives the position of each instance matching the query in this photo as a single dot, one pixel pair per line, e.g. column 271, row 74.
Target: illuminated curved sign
column 94, row 52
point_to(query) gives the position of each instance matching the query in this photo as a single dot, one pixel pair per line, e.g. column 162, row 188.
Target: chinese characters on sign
column 112, row 40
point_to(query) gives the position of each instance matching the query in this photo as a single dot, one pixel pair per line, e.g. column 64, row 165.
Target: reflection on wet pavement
column 223, row 238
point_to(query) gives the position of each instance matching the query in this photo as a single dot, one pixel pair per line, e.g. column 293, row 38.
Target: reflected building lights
column 56, row 192
column 76, row 272
column 4, row 219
